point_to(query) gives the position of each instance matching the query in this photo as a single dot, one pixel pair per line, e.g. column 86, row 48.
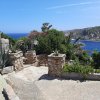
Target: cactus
column 3, row 56
column 3, row 59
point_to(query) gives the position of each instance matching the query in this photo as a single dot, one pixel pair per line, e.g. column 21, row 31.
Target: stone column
column 55, row 64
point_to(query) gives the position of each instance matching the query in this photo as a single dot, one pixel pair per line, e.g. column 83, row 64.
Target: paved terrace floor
column 33, row 83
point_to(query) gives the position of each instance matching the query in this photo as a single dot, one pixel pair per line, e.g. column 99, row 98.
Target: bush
column 84, row 58
column 97, row 70
column 96, row 60
column 23, row 45
column 78, row 68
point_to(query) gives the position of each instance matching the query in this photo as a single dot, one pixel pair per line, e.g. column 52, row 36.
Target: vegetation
column 78, row 68
column 23, row 44
column 97, row 70
column 4, row 58
column 96, row 60
column 50, row 40
column 45, row 27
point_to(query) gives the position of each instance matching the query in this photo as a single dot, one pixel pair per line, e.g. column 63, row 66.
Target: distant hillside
column 91, row 33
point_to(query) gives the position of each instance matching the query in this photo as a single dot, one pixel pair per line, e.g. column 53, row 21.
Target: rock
column 7, row 70
column 10, row 93
column 2, row 85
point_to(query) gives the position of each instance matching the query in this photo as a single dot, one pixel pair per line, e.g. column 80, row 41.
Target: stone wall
column 36, row 60
column 16, row 59
column 42, row 60
column 30, row 57
column 79, row 76
column 55, row 64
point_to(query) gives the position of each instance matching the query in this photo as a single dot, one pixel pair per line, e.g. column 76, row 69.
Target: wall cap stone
column 59, row 55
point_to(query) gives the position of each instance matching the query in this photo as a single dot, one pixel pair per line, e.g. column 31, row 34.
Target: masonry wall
column 55, row 64
column 16, row 59
column 30, row 57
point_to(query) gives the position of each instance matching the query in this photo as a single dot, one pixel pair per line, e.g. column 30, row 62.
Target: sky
column 22, row 16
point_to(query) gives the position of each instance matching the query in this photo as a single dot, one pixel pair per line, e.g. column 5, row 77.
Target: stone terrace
column 33, row 83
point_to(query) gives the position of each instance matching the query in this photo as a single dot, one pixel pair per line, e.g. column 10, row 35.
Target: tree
column 50, row 42
column 96, row 60
column 23, row 44
column 33, row 34
column 55, row 39
column 73, row 48
column 45, row 27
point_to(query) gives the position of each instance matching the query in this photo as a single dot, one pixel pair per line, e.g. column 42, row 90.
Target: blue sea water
column 89, row 45
column 17, row 35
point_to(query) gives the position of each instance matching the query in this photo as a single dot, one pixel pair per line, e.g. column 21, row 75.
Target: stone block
column 7, row 70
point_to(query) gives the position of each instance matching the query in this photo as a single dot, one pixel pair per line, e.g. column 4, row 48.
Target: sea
column 88, row 45
column 17, row 35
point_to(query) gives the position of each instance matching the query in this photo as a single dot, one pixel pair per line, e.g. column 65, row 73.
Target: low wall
column 42, row 60
column 79, row 76
column 16, row 60
column 30, row 57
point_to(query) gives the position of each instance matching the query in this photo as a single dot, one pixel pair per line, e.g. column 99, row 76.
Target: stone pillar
column 16, row 60
column 55, row 64
column 31, row 57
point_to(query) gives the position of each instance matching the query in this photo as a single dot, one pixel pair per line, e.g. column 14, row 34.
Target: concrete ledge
column 79, row 76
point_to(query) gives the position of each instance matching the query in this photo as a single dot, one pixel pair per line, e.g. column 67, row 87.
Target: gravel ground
column 32, row 83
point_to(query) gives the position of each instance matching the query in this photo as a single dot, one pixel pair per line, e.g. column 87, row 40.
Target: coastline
column 91, row 40
column 88, row 40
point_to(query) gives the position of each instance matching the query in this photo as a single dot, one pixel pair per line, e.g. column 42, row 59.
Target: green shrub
column 96, row 60
column 78, row 68
column 97, row 71
column 50, row 42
